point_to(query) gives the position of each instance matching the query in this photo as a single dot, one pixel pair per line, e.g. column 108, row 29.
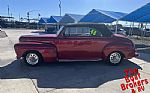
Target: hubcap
column 32, row 58
column 115, row 58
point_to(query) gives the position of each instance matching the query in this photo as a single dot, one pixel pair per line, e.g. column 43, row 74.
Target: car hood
column 118, row 35
column 33, row 38
column 124, row 39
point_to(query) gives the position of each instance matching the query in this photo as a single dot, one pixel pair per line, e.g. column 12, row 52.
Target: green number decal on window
column 93, row 32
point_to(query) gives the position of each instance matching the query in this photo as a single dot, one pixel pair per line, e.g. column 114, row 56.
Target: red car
column 76, row 42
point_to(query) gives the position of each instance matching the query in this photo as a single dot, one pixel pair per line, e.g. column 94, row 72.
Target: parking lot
column 77, row 77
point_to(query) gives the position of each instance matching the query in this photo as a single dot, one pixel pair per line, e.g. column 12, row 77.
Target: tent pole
column 132, row 28
column 46, row 26
column 145, row 25
column 142, row 34
column 145, row 29
column 116, row 27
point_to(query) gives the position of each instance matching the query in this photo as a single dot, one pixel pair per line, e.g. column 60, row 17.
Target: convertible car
column 75, row 42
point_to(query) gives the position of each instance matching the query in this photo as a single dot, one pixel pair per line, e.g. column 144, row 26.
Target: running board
column 78, row 60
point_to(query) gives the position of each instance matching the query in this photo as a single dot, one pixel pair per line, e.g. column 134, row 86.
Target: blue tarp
column 144, row 19
column 140, row 15
column 43, row 20
column 71, row 18
column 54, row 19
column 102, row 16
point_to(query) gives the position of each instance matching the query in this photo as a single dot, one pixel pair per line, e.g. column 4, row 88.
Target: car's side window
column 71, row 31
column 95, row 33
column 82, row 31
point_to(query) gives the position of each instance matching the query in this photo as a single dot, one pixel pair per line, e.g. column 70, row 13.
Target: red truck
column 75, row 42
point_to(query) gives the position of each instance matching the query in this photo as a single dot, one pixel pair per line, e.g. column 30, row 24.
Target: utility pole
column 58, row 25
column 8, row 10
column 60, row 6
column 19, row 17
column 38, row 20
column 28, row 18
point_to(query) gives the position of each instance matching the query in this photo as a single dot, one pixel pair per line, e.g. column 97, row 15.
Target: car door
column 77, row 44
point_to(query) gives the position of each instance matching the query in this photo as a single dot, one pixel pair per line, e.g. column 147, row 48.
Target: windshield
column 59, row 30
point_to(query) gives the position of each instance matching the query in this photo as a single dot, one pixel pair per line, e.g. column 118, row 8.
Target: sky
column 46, row 8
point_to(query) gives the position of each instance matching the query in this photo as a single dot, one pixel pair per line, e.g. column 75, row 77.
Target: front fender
column 48, row 51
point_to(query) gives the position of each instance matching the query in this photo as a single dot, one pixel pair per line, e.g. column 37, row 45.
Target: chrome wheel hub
column 115, row 58
column 32, row 58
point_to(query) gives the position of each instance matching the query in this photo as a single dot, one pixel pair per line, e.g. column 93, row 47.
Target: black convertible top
column 100, row 27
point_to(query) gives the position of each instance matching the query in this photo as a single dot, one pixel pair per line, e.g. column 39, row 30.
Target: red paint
column 58, row 47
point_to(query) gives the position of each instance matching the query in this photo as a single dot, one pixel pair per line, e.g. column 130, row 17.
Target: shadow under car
column 67, row 75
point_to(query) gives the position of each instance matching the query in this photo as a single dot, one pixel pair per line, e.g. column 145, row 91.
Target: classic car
column 75, row 42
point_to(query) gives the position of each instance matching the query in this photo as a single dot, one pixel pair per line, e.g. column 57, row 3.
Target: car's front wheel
column 32, row 58
column 115, row 58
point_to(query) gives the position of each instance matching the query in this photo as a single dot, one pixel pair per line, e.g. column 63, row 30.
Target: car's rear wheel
column 32, row 58
column 115, row 58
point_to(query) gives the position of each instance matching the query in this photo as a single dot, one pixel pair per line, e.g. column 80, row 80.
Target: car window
column 82, row 31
